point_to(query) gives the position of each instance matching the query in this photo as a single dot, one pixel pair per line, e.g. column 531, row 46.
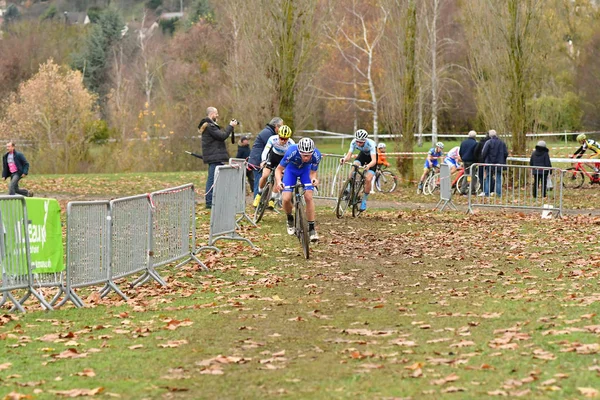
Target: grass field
column 400, row 303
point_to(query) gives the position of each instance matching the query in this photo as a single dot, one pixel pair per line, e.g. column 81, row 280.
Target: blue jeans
column 13, row 185
column 257, row 175
column 210, row 182
column 489, row 171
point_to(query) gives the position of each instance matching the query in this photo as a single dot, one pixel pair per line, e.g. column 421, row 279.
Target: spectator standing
column 254, row 160
column 467, row 155
column 15, row 167
column 540, row 158
column 494, row 152
column 214, row 149
column 243, row 152
column 477, row 155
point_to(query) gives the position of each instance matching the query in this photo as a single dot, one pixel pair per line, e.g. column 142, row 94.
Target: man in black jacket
column 540, row 158
column 467, row 155
column 214, row 149
column 477, row 156
column 494, row 152
column 271, row 129
column 15, row 166
column 243, row 152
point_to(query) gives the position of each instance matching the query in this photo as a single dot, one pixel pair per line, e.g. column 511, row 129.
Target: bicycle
column 385, row 181
column 434, row 183
column 472, row 182
column 265, row 197
column 574, row 177
column 351, row 193
column 300, row 220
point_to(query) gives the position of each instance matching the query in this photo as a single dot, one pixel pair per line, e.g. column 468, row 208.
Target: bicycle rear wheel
column 302, row 227
column 343, row 198
column 264, row 202
column 359, row 191
column 573, row 178
column 386, row 182
column 474, row 182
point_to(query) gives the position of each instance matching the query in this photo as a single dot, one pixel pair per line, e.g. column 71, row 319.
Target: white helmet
column 306, row 145
column 440, row 145
column 381, row 146
column 361, row 134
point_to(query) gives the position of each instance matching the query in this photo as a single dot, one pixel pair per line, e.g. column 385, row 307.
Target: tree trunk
column 410, row 91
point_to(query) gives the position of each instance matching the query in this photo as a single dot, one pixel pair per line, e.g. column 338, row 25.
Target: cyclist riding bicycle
column 367, row 158
column 585, row 145
column 272, row 154
column 433, row 155
column 453, row 159
column 300, row 161
column 381, row 157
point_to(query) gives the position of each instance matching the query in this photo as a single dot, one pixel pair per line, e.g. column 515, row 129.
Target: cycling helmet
column 381, row 146
column 440, row 145
column 581, row 137
column 284, row 132
column 306, row 145
column 361, row 134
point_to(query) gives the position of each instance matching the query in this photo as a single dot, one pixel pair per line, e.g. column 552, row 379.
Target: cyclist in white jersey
column 367, row 158
column 272, row 154
column 453, row 159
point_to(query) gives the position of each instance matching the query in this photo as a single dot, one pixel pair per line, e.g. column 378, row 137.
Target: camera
column 235, row 121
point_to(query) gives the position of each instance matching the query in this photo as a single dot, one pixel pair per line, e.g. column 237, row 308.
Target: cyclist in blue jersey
column 433, row 155
column 367, row 158
column 272, row 154
column 300, row 161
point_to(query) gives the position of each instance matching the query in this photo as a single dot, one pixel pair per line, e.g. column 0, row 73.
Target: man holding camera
column 214, row 149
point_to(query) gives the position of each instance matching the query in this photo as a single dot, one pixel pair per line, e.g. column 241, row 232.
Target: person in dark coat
column 477, row 156
column 467, row 155
column 540, row 158
column 15, row 167
column 214, row 149
column 494, row 152
column 243, row 152
column 254, row 160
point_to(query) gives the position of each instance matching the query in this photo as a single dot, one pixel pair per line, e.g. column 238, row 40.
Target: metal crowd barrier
column 88, row 248
column 15, row 259
column 225, row 205
column 516, row 186
column 445, row 188
column 241, row 164
column 174, row 226
column 332, row 176
column 130, row 240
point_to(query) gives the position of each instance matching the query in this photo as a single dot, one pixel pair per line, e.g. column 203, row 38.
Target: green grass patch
column 408, row 303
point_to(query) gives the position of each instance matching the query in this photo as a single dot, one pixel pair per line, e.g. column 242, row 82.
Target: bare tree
column 356, row 38
column 506, row 54
column 400, row 61
column 151, row 64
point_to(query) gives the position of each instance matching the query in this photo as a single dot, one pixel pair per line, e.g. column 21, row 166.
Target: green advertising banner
column 45, row 235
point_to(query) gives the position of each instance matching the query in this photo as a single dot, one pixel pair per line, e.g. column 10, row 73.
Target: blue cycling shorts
column 291, row 175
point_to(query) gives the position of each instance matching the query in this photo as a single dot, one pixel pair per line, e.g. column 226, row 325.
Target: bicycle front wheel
column 264, row 202
column 386, row 182
column 433, row 184
column 302, row 227
column 359, row 191
column 573, row 178
column 343, row 198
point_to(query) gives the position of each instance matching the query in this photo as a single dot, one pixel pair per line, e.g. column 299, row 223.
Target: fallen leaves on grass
column 78, row 392
column 173, row 343
column 588, row 392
